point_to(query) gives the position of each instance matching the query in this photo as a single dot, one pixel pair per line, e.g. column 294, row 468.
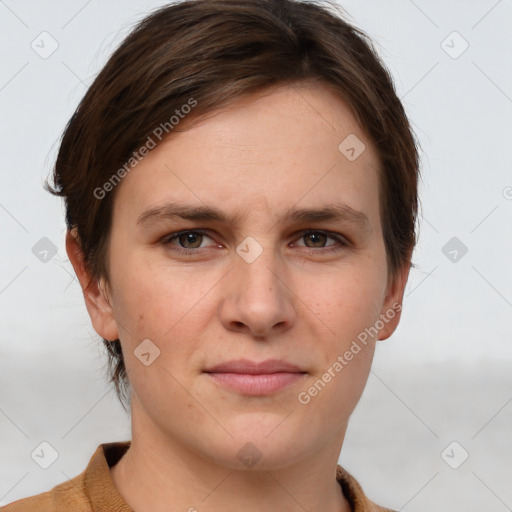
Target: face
column 248, row 250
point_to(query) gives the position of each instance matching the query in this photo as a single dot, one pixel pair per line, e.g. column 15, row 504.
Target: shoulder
column 41, row 503
column 91, row 490
column 63, row 497
column 354, row 493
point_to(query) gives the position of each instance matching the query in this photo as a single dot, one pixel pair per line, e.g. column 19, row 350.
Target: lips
column 255, row 379
column 251, row 367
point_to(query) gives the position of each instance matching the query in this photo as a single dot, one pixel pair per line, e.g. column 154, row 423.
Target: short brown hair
column 216, row 51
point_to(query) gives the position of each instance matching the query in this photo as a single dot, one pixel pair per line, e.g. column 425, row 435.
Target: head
column 240, row 182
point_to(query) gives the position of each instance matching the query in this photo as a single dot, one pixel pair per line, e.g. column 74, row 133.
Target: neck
column 159, row 474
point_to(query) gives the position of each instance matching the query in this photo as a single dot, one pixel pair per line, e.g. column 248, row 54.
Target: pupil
column 314, row 236
column 190, row 238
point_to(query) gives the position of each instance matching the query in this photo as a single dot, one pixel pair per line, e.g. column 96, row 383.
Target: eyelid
column 167, row 239
column 342, row 239
column 338, row 237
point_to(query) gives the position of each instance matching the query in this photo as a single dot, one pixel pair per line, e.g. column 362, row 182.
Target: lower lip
column 256, row 385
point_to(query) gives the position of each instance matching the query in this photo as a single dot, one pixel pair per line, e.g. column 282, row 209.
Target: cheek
column 145, row 292
column 154, row 301
column 350, row 305
column 349, row 301
column 344, row 357
column 166, row 308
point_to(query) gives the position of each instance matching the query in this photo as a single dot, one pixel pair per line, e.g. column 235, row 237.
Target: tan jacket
column 93, row 490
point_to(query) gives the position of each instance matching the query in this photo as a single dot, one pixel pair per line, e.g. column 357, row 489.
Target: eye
column 187, row 241
column 318, row 240
column 190, row 242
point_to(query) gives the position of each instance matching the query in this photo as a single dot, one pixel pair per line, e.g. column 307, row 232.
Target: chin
column 256, row 457
column 263, row 442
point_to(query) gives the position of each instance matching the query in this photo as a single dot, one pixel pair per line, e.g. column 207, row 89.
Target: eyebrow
column 331, row 212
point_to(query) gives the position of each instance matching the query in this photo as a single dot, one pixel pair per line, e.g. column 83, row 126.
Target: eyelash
column 341, row 240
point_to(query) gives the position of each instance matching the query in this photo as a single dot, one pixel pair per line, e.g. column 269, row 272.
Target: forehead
column 263, row 153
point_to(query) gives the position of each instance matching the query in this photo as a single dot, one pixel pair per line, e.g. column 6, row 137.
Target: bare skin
column 303, row 300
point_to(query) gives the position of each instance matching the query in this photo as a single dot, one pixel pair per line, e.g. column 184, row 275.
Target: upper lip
column 252, row 367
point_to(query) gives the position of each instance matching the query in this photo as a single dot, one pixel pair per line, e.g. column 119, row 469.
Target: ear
column 96, row 300
column 392, row 307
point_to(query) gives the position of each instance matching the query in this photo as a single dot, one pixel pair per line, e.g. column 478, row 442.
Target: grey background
column 444, row 376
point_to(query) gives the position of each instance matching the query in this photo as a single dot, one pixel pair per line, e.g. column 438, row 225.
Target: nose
column 257, row 300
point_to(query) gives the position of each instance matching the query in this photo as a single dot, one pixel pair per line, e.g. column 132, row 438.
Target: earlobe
column 392, row 307
column 96, row 301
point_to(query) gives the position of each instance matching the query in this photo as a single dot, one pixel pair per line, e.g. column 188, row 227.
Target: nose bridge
column 258, row 299
column 257, row 270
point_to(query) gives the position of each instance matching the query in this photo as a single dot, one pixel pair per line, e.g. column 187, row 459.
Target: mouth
column 256, row 379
